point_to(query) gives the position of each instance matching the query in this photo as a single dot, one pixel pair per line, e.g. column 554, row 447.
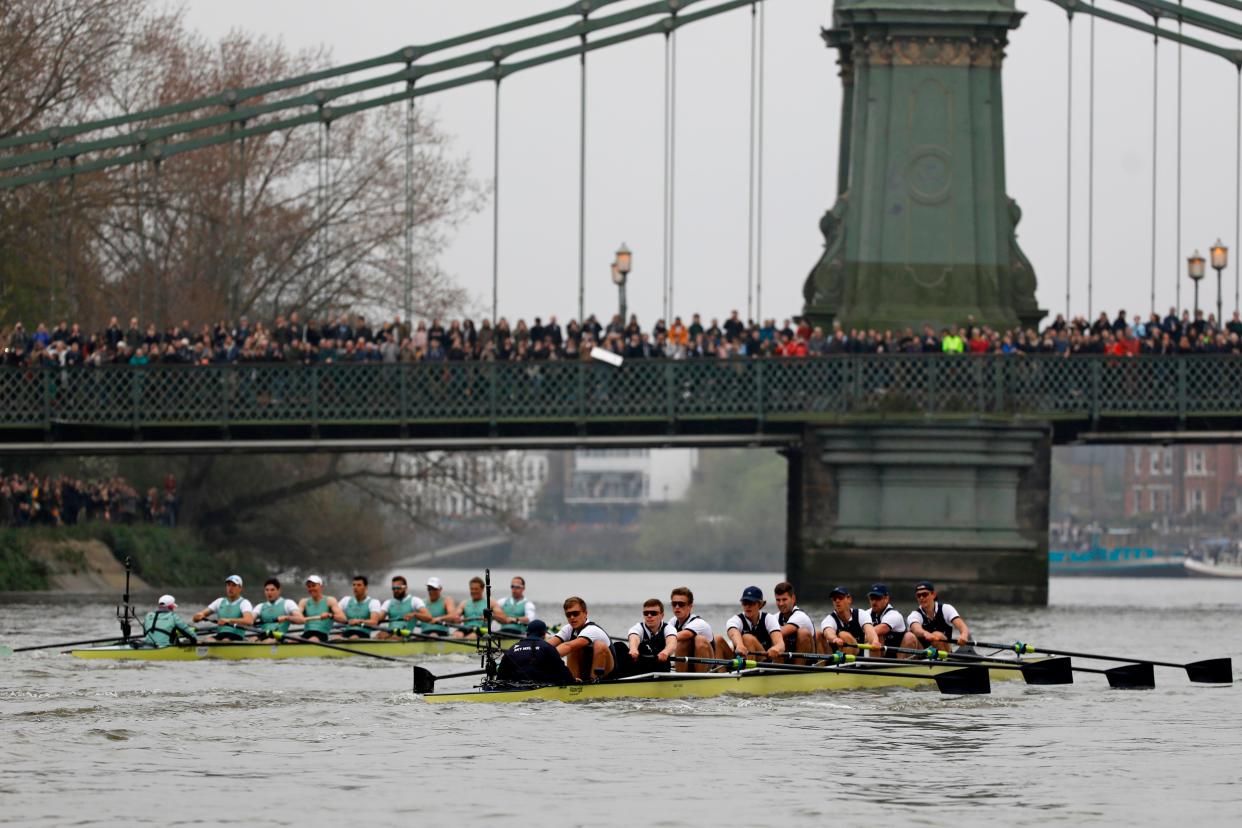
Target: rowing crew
column 582, row 650
column 358, row 614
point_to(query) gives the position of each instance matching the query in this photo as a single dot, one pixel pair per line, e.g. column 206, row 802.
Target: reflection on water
column 220, row 742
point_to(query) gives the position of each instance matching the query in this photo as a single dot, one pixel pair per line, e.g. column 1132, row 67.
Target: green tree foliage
column 19, row 571
column 732, row 518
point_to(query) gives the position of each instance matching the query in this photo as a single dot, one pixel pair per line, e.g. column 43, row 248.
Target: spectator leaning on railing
column 352, row 339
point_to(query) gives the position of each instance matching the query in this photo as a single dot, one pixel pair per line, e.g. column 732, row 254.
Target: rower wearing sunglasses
column 752, row 632
column 694, row 635
column 583, row 644
column 650, row 645
column 935, row 624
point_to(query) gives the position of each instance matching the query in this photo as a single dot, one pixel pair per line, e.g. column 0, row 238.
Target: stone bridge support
column 963, row 505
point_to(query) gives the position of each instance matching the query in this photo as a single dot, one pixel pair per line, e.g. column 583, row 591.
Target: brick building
column 1183, row 480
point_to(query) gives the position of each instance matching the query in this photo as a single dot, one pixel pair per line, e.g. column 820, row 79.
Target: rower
column 533, row 660
column 516, row 611
column 441, row 608
column 362, row 612
column 845, row 626
column 317, row 611
column 470, row 611
column 232, row 607
column 932, row 622
column 651, row 643
column 274, row 614
column 797, row 628
column 163, row 626
column 694, row 635
column 890, row 625
column 401, row 610
column 583, row 644
column 752, row 631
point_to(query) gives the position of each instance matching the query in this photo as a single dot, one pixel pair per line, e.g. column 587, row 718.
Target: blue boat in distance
column 1123, row 561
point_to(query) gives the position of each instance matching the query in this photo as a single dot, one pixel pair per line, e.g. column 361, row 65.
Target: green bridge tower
column 922, row 230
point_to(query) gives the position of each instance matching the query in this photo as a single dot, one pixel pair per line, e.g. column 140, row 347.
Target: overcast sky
column 539, row 152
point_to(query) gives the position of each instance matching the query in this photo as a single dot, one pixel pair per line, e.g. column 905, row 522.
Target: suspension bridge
column 900, row 468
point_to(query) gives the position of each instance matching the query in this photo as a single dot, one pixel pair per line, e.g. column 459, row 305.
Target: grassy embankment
column 163, row 557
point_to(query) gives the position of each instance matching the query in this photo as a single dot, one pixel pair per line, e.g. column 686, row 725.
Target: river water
column 345, row 741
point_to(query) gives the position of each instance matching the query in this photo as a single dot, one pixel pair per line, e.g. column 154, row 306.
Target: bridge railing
column 931, row 385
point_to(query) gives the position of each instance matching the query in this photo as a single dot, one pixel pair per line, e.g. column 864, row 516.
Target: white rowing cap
column 168, row 602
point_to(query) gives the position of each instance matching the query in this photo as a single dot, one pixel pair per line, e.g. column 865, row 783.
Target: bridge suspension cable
column 1069, row 157
column 582, row 145
column 1155, row 133
column 407, row 282
column 1090, row 169
column 670, row 165
column 1177, row 253
column 750, row 173
column 496, row 201
column 763, row 34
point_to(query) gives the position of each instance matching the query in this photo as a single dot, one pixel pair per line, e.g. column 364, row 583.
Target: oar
column 8, row 651
column 969, row 680
column 1046, row 671
column 1138, row 672
column 279, row 636
column 425, row 680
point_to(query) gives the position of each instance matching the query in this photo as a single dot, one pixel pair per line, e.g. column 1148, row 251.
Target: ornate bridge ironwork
column 653, row 401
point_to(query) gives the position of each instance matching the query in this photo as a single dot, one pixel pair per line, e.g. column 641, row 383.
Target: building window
column 1168, row 461
column 1195, row 501
column 1136, row 501
column 1138, row 461
column 1155, row 462
column 1076, row 486
column 1195, row 463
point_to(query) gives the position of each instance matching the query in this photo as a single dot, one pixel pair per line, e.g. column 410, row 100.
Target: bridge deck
column 566, row 403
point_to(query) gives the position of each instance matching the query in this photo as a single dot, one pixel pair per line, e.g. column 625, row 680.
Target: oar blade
column 1211, row 671
column 964, row 681
column 5, row 651
column 1141, row 676
column 1048, row 671
column 424, row 680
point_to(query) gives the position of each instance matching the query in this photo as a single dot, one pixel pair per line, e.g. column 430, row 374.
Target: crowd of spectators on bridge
column 30, row 500
column 349, row 338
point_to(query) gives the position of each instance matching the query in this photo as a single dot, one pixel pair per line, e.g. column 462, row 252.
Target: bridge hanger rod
column 1234, row 56
column 1208, row 22
column 320, row 97
column 327, row 114
column 232, row 97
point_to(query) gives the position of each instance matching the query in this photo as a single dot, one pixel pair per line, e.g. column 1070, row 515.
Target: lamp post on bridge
column 620, row 270
column 1194, row 269
column 1220, row 259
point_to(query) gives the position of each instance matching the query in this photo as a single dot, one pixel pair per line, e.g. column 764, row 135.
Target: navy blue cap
column 752, row 593
column 880, row 590
column 536, row 629
column 927, row 585
column 840, row 591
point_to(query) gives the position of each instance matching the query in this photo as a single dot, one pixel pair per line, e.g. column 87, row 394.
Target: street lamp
column 620, row 270
column 1194, row 269
column 1220, row 259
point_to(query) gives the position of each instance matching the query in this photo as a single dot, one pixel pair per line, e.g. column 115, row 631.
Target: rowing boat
column 243, row 650
column 754, row 682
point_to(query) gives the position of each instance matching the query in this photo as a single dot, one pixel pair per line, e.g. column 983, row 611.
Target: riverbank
column 89, row 558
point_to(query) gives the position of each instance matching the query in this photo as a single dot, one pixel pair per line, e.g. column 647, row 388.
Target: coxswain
column 318, row 611
column 797, row 628
column 232, row 607
column 162, row 627
column 583, row 644
column 516, row 611
column 752, row 631
column 694, row 635
column 533, row 660
column 846, row 626
column 649, row 645
column 401, row 611
column 274, row 615
column 890, row 625
column 441, row 608
column 470, row 611
column 935, row 624
column 362, row 612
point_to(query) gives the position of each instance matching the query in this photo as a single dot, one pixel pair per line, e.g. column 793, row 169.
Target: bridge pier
column 964, row 505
